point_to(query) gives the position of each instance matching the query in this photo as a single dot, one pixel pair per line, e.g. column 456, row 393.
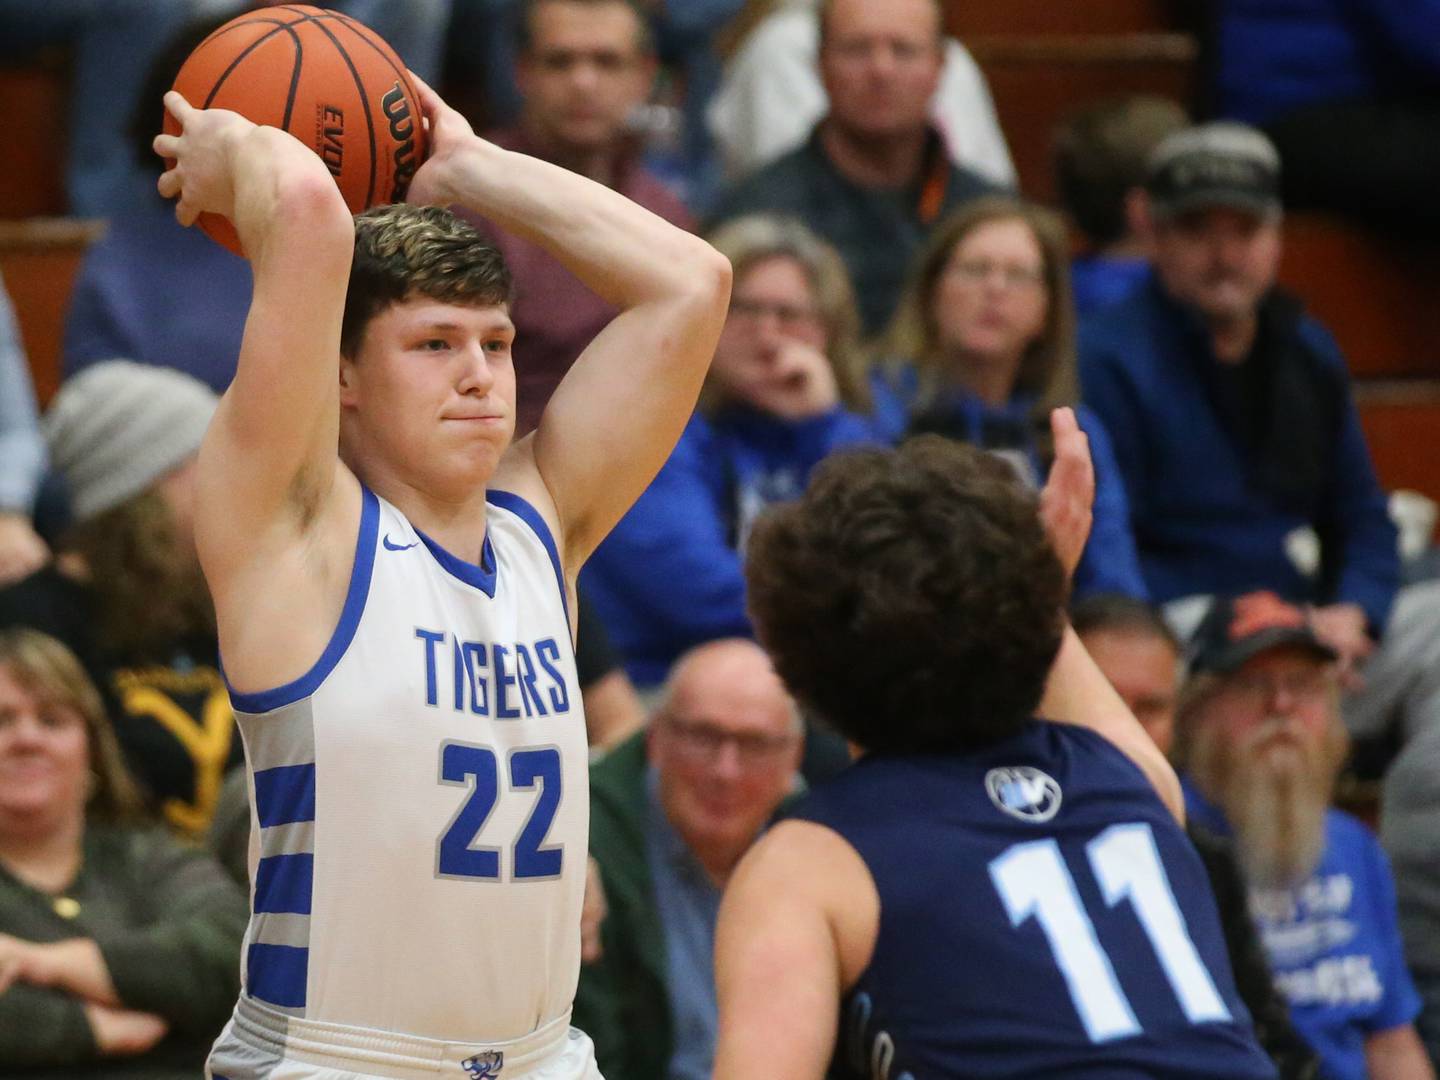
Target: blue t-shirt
column 1041, row 915
column 1334, row 944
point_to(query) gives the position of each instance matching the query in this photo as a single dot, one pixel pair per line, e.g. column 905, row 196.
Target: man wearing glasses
column 672, row 810
column 1260, row 741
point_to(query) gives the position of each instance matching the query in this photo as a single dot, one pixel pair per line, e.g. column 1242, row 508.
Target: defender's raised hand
column 1069, row 494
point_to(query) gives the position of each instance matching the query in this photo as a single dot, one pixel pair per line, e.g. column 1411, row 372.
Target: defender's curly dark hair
column 911, row 597
column 403, row 251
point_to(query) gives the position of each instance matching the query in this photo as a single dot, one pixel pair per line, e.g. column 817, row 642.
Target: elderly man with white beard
column 1260, row 743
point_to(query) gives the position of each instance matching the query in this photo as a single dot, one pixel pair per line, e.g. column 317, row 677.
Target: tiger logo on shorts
column 484, row 1066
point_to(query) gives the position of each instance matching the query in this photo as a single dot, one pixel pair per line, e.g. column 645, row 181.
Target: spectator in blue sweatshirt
column 785, row 389
column 983, row 348
column 1235, row 430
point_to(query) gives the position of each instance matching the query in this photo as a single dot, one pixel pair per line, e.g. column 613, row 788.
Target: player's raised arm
column 269, row 457
column 1077, row 691
column 617, row 414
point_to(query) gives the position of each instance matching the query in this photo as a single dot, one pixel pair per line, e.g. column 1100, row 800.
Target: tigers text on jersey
column 1041, row 915
column 420, row 797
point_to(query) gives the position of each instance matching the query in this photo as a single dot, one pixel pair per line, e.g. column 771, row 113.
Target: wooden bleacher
column 1087, row 18
column 1037, row 81
column 1379, row 296
column 38, row 261
column 1401, row 418
column 35, row 99
column 1043, row 58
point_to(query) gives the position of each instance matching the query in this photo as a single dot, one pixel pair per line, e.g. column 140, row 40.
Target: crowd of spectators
column 1241, row 587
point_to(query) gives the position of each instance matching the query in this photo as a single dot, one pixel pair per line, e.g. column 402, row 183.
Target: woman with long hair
column 982, row 349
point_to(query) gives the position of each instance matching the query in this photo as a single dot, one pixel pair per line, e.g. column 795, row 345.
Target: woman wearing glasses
column 983, row 348
column 785, row 389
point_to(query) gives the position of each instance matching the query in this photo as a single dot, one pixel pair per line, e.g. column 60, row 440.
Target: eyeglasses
column 1256, row 688
column 703, row 743
column 788, row 316
column 979, row 271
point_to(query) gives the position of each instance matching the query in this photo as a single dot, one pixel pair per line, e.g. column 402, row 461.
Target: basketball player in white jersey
column 396, row 638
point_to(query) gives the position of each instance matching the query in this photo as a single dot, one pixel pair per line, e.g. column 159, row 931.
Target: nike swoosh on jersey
column 389, row 546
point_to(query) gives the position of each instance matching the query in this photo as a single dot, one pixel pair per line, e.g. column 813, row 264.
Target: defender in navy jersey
column 984, row 893
column 395, row 620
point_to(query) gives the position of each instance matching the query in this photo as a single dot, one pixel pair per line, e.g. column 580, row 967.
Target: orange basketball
column 330, row 81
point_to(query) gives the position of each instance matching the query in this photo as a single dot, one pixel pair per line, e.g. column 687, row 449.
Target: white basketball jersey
column 420, row 798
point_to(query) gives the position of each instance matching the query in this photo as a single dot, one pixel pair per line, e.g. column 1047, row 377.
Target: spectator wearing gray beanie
column 117, row 427
column 125, row 592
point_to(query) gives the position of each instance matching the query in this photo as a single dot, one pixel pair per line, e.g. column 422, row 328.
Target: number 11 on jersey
column 1034, row 882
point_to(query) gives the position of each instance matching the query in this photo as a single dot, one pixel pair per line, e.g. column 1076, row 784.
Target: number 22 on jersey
column 528, row 769
column 1034, row 882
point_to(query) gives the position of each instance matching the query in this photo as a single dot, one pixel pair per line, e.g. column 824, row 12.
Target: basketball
column 328, row 80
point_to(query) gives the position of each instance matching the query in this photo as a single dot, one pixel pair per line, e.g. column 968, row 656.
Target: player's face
column 881, row 65
column 585, row 73
column 990, row 301
column 726, row 750
column 44, row 757
column 432, row 392
column 1144, row 670
column 772, row 304
column 1219, row 261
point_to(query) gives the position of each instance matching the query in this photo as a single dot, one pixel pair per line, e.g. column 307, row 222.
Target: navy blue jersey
column 1041, row 915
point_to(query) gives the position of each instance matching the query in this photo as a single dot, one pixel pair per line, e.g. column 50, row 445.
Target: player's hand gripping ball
column 330, row 81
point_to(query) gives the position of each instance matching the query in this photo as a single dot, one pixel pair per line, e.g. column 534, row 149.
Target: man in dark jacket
column 1246, row 469
column 671, row 812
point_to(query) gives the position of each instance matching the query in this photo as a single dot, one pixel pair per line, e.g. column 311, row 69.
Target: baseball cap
column 1218, row 164
column 1241, row 627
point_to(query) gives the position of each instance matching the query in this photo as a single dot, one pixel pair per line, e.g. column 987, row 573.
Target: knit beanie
column 117, row 427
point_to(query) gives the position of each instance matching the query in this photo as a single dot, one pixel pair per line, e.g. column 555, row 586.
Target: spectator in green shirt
column 119, row 948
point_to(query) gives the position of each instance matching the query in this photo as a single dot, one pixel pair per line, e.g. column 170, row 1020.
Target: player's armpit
column 797, row 926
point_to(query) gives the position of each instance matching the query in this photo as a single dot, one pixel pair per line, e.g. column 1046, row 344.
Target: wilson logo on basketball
column 332, row 136
column 402, row 131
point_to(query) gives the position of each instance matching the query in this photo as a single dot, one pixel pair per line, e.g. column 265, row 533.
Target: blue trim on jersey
column 283, row 884
column 277, row 974
column 508, row 500
column 481, row 577
column 285, row 794
column 268, row 700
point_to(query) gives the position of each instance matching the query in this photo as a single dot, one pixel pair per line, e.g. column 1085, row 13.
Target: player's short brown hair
column 910, row 597
column 402, row 251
